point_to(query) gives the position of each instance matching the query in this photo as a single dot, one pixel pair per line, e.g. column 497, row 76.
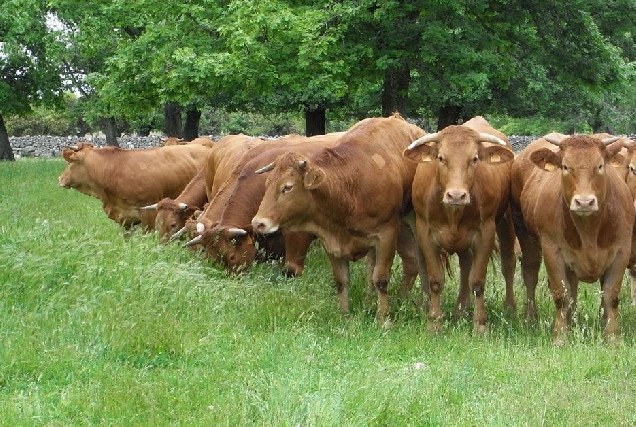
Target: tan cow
column 460, row 196
column 171, row 214
column 577, row 212
column 126, row 180
column 232, row 242
column 352, row 196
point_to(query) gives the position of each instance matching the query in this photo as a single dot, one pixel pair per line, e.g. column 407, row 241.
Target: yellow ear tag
column 495, row 158
column 549, row 167
column 426, row 158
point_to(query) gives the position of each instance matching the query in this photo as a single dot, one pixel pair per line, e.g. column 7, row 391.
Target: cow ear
column 495, row 154
column 546, row 159
column 422, row 153
column 68, row 154
column 313, row 178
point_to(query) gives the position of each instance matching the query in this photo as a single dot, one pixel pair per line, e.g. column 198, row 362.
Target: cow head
column 456, row 151
column 76, row 175
column 288, row 192
column 233, row 248
column 582, row 162
column 171, row 216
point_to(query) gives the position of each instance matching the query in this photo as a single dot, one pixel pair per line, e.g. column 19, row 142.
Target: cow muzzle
column 456, row 197
column 264, row 225
column 584, row 205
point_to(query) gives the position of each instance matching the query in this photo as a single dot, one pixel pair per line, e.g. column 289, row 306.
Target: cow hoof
column 435, row 327
column 480, row 330
column 385, row 324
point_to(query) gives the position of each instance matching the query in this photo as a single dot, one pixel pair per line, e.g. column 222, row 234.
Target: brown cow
column 625, row 163
column 173, row 213
column 578, row 214
column 232, row 241
column 351, row 196
column 460, row 197
column 171, row 140
column 125, row 180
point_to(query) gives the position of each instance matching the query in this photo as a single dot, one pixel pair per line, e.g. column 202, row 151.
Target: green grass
column 99, row 329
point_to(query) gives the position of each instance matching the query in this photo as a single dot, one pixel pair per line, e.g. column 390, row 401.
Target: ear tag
column 495, row 158
column 549, row 167
column 426, row 158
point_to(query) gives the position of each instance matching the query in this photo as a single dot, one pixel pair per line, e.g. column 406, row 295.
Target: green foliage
column 102, row 329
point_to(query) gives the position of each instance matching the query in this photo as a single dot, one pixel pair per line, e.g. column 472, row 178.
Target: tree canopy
column 445, row 60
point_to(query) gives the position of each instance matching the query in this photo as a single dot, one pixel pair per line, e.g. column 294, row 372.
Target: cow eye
column 441, row 159
column 632, row 169
column 287, row 188
column 475, row 159
column 565, row 168
column 600, row 167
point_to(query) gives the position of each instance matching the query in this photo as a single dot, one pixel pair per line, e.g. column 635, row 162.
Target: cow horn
column 556, row 140
column 72, row 147
column 265, row 168
column 194, row 241
column 608, row 141
column 236, row 232
column 178, row 234
column 628, row 143
column 149, row 207
column 486, row 137
column 183, row 206
column 423, row 140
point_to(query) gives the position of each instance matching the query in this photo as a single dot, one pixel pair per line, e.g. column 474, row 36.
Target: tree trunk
column 448, row 115
column 6, row 152
column 191, row 127
column 395, row 90
column 110, row 130
column 315, row 120
column 172, row 118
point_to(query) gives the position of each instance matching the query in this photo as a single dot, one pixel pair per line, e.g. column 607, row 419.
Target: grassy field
column 99, row 329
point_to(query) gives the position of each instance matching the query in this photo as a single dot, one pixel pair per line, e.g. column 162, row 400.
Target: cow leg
column 611, row 283
column 407, row 250
column 462, row 304
column 506, row 235
column 384, row 254
column 408, row 224
column 296, row 248
column 340, row 270
column 560, row 290
column 631, row 267
column 530, row 265
column 435, row 269
column 482, row 250
column 573, row 290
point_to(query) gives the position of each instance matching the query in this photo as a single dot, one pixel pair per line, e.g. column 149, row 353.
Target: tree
column 29, row 74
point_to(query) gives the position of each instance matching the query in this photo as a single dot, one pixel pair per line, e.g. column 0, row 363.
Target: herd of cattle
column 386, row 186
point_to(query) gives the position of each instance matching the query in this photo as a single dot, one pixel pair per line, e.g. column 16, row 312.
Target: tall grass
column 96, row 328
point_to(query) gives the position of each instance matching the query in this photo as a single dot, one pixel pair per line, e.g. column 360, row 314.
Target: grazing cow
column 351, row 196
column 578, row 214
column 232, row 241
column 125, row 180
column 460, row 197
column 171, row 214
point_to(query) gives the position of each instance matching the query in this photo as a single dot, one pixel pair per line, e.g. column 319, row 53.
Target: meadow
column 99, row 329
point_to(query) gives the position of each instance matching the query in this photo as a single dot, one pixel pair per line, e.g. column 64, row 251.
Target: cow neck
column 242, row 205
